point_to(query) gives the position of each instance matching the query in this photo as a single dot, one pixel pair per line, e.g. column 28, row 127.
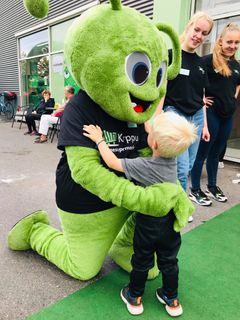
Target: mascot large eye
column 138, row 67
column 161, row 73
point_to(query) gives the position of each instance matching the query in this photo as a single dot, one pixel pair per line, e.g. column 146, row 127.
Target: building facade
column 32, row 57
column 31, row 54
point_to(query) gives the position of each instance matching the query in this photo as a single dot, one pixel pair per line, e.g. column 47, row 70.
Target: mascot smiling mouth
column 139, row 105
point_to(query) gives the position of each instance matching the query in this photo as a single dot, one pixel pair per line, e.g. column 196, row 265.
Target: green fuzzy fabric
column 80, row 249
column 19, row 236
column 116, row 4
column 37, row 8
column 175, row 66
column 156, row 200
column 145, row 152
column 96, row 48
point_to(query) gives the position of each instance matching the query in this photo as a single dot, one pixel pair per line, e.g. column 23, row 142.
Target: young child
column 168, row 136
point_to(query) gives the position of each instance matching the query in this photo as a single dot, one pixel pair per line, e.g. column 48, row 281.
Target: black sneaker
column 172, row 306
column 216, row 193
column 134, row 304
column 200, row 197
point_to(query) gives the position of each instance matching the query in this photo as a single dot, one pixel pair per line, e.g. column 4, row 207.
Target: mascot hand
column 183, row 209
column 86, row 170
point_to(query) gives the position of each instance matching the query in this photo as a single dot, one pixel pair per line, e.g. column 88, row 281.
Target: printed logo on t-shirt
column 110, row 138
column 118, row 142
column 201, row 69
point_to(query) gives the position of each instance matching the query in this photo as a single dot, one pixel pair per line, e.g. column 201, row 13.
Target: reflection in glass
column 58, row 34
column 34, row 45
column 34, row 79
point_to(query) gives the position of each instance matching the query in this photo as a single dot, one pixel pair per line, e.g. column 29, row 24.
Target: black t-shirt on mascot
column 223, row 89
column 185, row 92
column 123, row 138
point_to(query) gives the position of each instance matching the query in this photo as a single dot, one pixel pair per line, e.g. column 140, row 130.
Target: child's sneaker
column 134, row 304
column 172, row 306
column 216, row 193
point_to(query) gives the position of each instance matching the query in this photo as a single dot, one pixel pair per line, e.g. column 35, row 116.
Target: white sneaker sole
column 173, row 312
column 236, row 181
column 135, row 311
column 207, row 203
column 222, row 199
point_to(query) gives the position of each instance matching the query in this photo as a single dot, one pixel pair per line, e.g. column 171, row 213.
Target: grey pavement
column 27, row 183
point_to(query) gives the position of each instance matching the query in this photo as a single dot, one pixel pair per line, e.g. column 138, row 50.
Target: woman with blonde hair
column 224, row 83
column 185, row 93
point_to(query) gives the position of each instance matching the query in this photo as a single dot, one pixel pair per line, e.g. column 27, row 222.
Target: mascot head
column 118, row 56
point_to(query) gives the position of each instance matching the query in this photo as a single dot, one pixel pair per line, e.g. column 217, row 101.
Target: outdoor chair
column 20, row 113
column 54, row 130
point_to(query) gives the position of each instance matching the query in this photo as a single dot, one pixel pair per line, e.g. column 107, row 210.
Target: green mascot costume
column 120, row 61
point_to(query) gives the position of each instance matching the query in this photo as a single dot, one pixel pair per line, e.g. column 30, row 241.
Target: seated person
column 42, row 108
column 168, row 136
column 48, row 119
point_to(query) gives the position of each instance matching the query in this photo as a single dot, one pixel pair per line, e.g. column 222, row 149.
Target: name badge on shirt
column 132, row 125
column 184, row 72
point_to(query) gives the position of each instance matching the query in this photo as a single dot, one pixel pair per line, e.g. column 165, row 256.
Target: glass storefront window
column 214, row 4
column 60, row 77
column 58, row 34
column 35, row 57
column 34, row 45
column 57, row 77
column 34, row 79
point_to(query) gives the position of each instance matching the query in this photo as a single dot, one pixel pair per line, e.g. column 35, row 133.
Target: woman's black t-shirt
column 221, row 88
column 123, row 138
column 186, row 91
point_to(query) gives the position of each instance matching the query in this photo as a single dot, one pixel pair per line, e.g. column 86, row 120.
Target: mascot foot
column 18, row 237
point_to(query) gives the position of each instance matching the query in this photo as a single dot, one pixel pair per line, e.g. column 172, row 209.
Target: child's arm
column 95, row 134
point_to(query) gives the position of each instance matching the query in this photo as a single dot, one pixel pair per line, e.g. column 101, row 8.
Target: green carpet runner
column 209, row 281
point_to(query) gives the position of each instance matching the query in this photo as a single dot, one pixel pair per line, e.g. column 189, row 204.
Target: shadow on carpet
column 209, row 281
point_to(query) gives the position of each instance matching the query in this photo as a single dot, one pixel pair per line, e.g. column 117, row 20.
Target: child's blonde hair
column 197, row 16
column 173, row 134
column 219, row 62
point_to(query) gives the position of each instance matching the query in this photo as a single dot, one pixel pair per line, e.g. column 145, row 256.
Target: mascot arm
column 155, row 200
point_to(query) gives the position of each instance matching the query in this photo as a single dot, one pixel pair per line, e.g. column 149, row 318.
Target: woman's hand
column 205, row 134
column 93, row 132
column 208, row 101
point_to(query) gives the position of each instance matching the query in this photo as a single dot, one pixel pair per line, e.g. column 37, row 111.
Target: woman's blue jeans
column 220, row 130
column 186, row 160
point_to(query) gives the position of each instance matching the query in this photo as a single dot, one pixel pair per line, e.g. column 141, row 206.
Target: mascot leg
column 122, row 248
column 80, row 249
